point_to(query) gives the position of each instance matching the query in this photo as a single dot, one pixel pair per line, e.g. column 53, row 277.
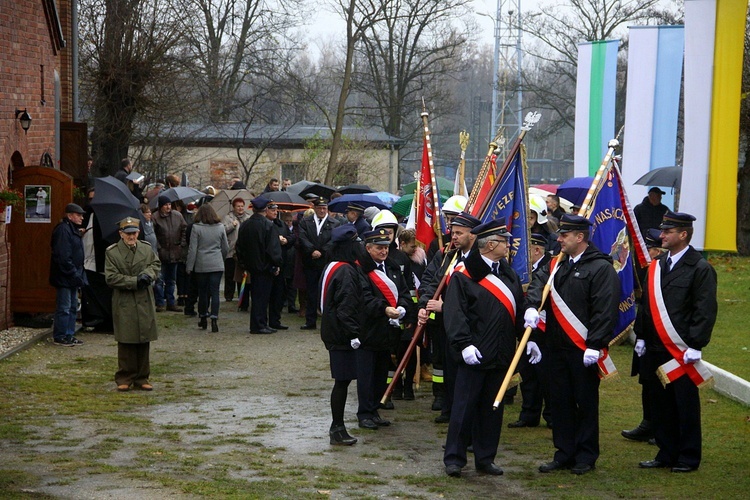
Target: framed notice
column 36, row 205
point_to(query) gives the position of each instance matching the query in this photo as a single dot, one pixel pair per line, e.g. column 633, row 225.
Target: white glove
column 531, row 318
column 590, row 357
column 394, row 322
column 640, row 347
column 533, row 351
column 471, row 355
column 401, row 312
column 691, row 355
column 355, row 343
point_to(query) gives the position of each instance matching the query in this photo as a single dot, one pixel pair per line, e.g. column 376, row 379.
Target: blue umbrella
column 387, row 198
column 574, row 190
column 364, row 200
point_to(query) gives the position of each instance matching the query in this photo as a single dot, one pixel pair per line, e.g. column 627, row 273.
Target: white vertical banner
column 700, row 36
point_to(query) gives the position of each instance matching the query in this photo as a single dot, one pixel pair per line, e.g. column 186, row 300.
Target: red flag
column 425, row 202
column 486, row 189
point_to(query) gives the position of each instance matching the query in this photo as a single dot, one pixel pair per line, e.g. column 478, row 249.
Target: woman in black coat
column 341, row 303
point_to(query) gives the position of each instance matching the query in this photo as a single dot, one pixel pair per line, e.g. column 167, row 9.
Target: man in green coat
column 131, row 267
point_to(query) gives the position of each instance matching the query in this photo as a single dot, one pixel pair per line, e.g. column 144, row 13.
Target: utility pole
column 507, row 90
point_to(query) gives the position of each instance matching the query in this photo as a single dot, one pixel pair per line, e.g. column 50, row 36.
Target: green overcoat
column 133, row 310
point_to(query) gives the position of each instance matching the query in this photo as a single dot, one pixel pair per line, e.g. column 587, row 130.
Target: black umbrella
column 113, row 202
column 317, row 189
column 356, row 189
column 283, row 197
column 663, row 176
column 184, row 193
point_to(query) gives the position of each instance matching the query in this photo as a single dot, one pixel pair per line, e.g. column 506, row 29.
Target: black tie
column 381, row 267
column 496, row 268
column 570, row 263
column 669, row 264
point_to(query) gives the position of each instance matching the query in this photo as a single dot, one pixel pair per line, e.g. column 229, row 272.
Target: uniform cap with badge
column 538, row 239
column 676, row 219
column 492, row 228
column 570, row 222
column 353, row 207
column 319, row 201
column 259, row 204
column 377, row 237
column 652, row 238
column 129, row 225
column 344, row 232
column 465, row 220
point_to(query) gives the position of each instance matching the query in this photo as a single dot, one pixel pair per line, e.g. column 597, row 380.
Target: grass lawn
column 730, row 343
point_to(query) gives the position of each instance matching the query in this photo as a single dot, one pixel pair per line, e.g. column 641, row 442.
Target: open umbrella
column 444, row 185
column 574, row 190
column 355, row 189
column 387, row 198
column 364, row 200
column 286, row 200
column 318, row 190
column 113, row 202
column 403, row 205
column 663, row 176
column 222, row 202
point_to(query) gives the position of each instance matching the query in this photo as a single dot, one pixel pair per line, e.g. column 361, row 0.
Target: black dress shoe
column 653, row 464
column 263, row 331
column 581, row 469
column 437, row 403
column 293, row 310
column 552, row 466
column 308, row 327
column 388, row 405
column 491, row 469
column 280, row 327
column 408, row 394
column 680, row 467
column 641, row 433
column 367, row 423
column 453, row 470
column 339, row 436
column 443, row 418
column 522, row 423
column 381, row 421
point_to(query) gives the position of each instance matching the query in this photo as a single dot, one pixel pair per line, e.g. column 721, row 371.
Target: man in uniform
column 674, row 323
column 314, row 234
column 259, row 252
column 131, row 266
column 580, row 320
column 386, row 302
column 430, row 311
column 355, row 215
column 484, row 298
column 277, row 291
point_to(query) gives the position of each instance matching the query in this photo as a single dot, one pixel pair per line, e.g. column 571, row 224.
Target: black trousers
column 473, row 419
column 96, row 303
column 230, row 286
column 260, row 298
column 574, row 397
column 372, row 375
column 312, row 277
column 676, row 413
column 438, row 353
column 535, row 389
column 290, row 293
column 134, row 366
column 276, row 303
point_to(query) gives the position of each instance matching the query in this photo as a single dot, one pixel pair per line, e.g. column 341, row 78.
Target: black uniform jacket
column 361, row 225
column 591, row 289
column 342, row 309
column 473, row 316
column 690, row 298
column 540, row 275
column 432, row 275
column 377, row 334
column 258, row 246
column 310, row 240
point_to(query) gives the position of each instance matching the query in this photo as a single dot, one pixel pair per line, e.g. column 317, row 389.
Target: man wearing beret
column 580, row 320
column 385, row 304
column 482, row 321
column 259, row 252
column 673, row 324
column 314, row 235
column 66, row 274
column 130, row 269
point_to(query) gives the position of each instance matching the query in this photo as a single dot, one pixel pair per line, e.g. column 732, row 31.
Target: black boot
column 643, row 432
column 409, row 392
column 203, row 323
column 214, row 325
column 340, row 436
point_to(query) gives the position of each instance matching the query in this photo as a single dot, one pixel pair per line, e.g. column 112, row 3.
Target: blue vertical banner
column 609, row 234
column 510, row 204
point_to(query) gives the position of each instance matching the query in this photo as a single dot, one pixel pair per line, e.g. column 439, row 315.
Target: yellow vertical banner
column 721, row 203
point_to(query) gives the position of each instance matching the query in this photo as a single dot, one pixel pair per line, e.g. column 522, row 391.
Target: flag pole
column 586, row 206
column 463, row 141
column 433, row 180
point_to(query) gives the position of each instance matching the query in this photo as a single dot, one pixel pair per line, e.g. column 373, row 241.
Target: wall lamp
column 25, row 119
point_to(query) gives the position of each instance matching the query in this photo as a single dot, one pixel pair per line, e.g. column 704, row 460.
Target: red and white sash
column 675, row 368
column 328, row 273
column 386, row 286
column 578, row 333
column 496, row 287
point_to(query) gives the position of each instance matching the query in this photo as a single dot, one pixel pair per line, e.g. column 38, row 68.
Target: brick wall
column 29, row 57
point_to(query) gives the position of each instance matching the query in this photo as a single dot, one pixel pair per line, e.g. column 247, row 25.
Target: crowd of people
column 372, row 286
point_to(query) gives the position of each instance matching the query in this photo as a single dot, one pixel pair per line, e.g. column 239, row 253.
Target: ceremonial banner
column 425, row 205
column 714, row 35
column 509, row 203
column 655, row 55
column 486, row 186
column 595, row 104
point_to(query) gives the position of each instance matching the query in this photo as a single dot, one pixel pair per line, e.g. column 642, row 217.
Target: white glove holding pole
column 531, row 318
column 691, row 356
column 355, row 343
column 590, row 356
column 471, row 355
column 535, row 355
column 640, row 347
column 401, row 312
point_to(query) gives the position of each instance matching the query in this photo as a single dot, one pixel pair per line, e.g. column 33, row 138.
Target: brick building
column 36, row 76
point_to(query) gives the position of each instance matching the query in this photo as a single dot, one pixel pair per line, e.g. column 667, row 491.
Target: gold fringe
column 622, row 336
column 610, row 376
column 662, row 376
column 514, row 380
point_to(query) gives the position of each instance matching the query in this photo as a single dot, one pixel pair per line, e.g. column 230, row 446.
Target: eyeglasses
column 669, row 231
column 499, row 241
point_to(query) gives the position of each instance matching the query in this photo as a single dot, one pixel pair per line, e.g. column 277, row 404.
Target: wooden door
column 30, row 233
